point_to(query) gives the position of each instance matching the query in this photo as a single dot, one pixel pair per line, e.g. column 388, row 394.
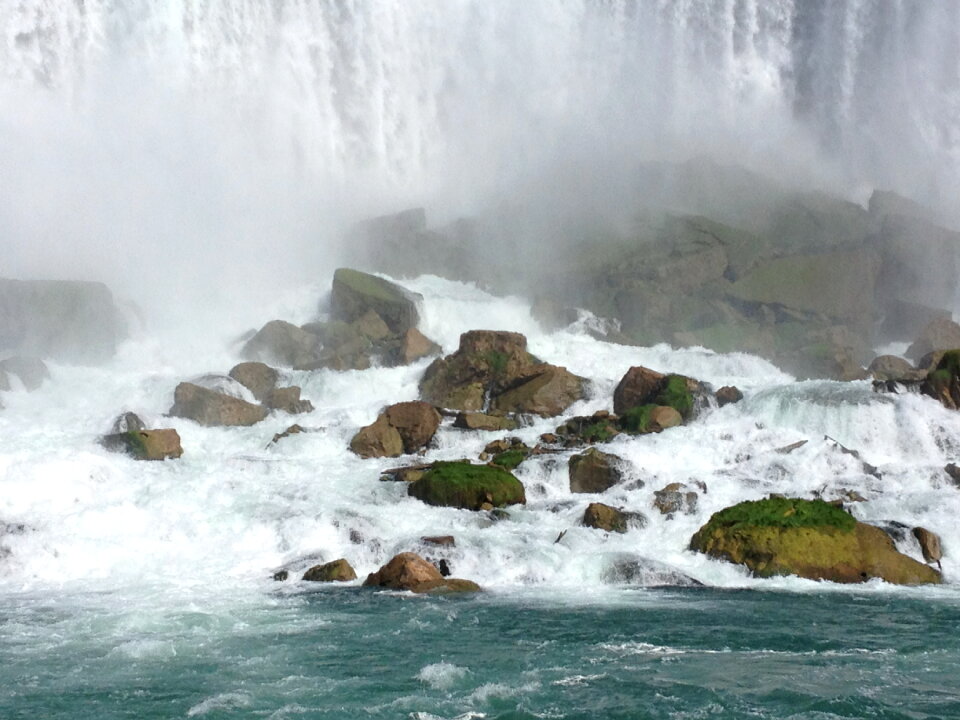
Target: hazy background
column 194, row 153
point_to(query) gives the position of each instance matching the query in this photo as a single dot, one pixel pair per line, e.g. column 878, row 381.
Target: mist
column 204, row 155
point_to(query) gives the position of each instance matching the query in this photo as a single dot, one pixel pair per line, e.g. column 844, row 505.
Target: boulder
column 285, row 344
column 409, row 571
column 414, row 345
column 145, row 444
column 335, row 571
column 288, row 400
column 953, row 472
column 600, row 427
column 611, row 519
column 416, row 421
column 546, row 394
column 636, row 570
column 356, row 293
column 943, row 381
column 594, row 471
column 675, row 498
column 439, row 540
column 209, row 407
column 940, row 334
column 812, row 539
column 30, row 370
column 407, row 473
column 482, row 421
column 641, row 386
column 929, row 544
column 259, row 378
column 467, row 486
column 891, row 367
column 650, row 419
column 728, row 395
column 127, row 422
column 380, row 439
column 66, row 321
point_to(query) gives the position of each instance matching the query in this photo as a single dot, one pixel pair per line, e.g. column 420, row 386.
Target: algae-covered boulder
column 495, row 367
column 409, row 571
column 808, row 538
column 209, row 407
column 642, row 386
column 467, row 486
column 943, row 381
column 594, row 471
column 356, row 293
column 145, row 444
column 335, row 571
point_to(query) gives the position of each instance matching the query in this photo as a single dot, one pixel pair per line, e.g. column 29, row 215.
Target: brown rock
column 380, row 439
column 728, row 395
column 441, row 540
column 372, row 326
column 406, row 571
column 414, row 345
column 336, row 571
column 145, row 444
column 355, row 293
column 482, row 421
column 409, row 474
column 208, row 407
column 929, row 544
column 288, row 400
column 415, row 421
column 292, row 430
column 259, row 378
column 663, row 417
column 605, row 517
column 940, row 334
column 546, row 394
column 284, row 343
column 891, row 367
column 594, row 471
column 636, row 388
column 675, row 498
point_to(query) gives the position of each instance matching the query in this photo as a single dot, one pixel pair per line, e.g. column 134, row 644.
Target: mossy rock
column 509, row 459
column 336, row 571
column 811, row 539
column 467, row 486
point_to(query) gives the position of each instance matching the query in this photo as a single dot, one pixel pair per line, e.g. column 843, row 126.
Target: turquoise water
column 350, row 653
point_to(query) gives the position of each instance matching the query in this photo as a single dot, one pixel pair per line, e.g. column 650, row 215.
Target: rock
column 953, row 472
column 208, row 407
column 127, row 422
column 943, row 381
column 416, row 421
column 546, row 394
column 414, row 345
column 600, row 427
column 285, row 344
column 650, row 419
column 145, row 444
column 408, row 474
column 371, row 326
column 636, row 570
column 641, row 386
column 891, row 367
column 355, row 293
column 604, row 517
column 288, row 400
column 929, row 544
column 409, row 571
column 466, row 486
column 292, row 430
column 594, row 471
column 66, row 321
column 941, row 334
column 482, row 421
column 281, row 575
column 380, row 439
column 336, row 571
column 259, row 378
column 30, row 370
column 812, row 539
column 675, row 498
column 439, row 540
column 728, row 395
column 496, row 366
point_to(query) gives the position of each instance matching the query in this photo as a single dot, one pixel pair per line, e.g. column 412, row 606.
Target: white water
column 221, row 519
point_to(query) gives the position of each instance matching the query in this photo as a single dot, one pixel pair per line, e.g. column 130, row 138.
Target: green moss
column 509, row 459
column 676, row 395
column 497, row 361
column 598, row 432
column 367, row 284
column 939, row 376
column 135, row 444
column 462, row 485
column 949, row 364
column 637, row 419
column 781, row 513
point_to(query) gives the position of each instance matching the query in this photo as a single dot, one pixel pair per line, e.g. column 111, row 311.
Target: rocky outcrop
column 145, row 444
column 335, row 571
column 940, row 334
column 611, row 519
column 356, row 293
column 211, row 408
column 402, row 428
column 812, row 539
column 285, row 344
column 409, row 571
column 594, row 471
column 495, row 369
column 66, row 321
column 259, row 378
column 467, row 486
column 31, row 371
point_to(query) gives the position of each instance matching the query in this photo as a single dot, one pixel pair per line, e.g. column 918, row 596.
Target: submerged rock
column 409, row 571
column 637, row 570
column 212, row 408
column 145, row 444
column 728, row 395
column 811, row 539
column 594, row 471
column 467, row 486
column 335, row 571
